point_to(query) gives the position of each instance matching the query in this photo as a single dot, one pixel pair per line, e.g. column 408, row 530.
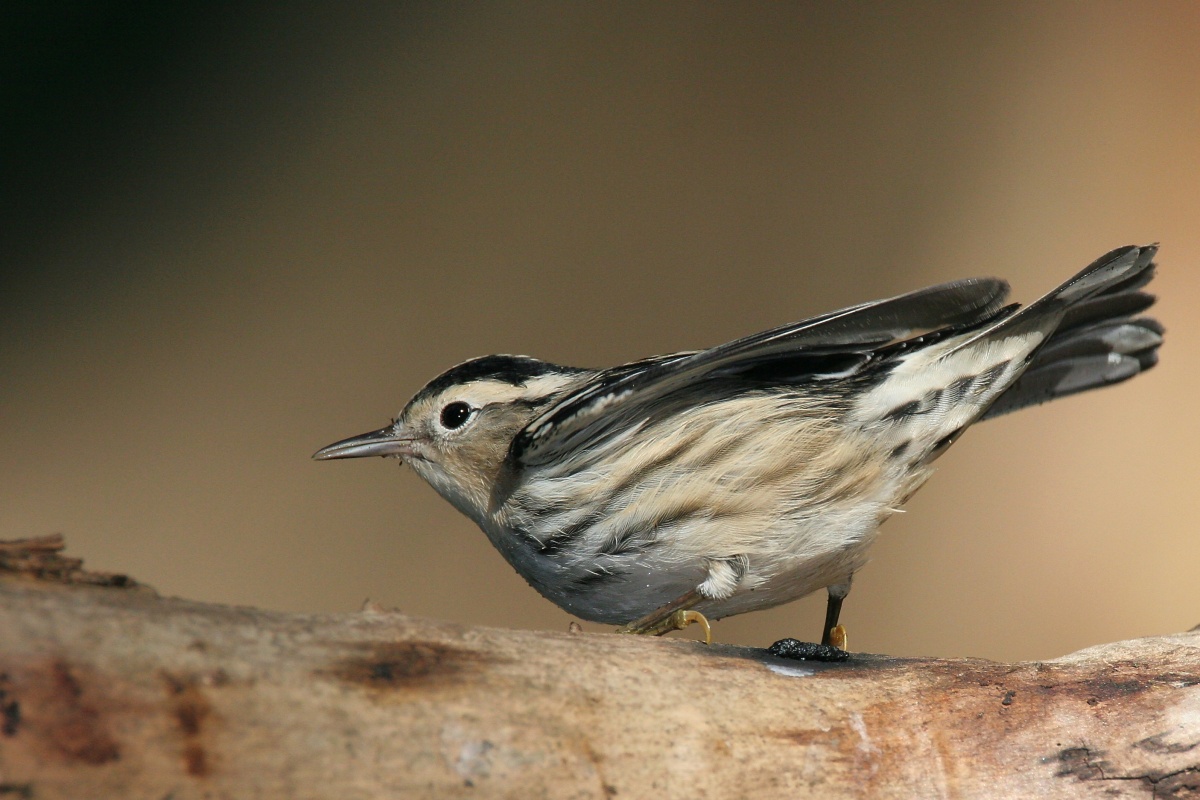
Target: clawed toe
column 838, row 638
column 675, row 621
column 674, row 616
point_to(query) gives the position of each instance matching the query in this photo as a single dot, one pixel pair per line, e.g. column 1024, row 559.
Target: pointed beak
column 390, row 441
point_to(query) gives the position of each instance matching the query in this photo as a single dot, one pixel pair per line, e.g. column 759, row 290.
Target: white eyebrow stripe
column 488, row 391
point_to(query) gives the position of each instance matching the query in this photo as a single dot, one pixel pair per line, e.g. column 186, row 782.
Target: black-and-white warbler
column 737, row 478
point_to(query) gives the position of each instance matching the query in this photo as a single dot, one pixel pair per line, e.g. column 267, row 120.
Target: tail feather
column 1097, row 341
column 1114, row 272
column 1123, row 337
column 1105, row 307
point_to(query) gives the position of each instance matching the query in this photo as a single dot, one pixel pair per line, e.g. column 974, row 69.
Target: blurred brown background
column 234, row 234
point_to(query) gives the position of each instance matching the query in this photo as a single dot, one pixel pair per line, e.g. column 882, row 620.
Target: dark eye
column 455, row 414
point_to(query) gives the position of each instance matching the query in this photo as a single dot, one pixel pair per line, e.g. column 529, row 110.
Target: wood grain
column 113, row 691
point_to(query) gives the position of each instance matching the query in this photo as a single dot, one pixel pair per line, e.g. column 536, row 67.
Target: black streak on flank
column 628, row 543
column 408, row 665
column 959, row 389
column 943, row 443
column 554, row 544
column 991, row 374
column 900, row 412
column 955, row 393
column 643, row 473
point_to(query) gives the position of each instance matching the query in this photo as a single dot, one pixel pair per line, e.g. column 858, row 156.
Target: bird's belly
column 781, row 565
column 614, row 591
column 798, row 557
column 773, row 544
column 799, row 579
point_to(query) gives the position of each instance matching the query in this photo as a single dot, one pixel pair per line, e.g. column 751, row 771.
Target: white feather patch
column 932, row 369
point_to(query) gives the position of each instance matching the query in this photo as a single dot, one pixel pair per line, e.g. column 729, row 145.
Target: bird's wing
column 828, row 346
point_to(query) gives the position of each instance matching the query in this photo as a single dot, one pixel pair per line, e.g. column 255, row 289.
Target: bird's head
column 456, row 432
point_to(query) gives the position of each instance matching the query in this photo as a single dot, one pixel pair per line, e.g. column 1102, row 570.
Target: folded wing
column 832, row 345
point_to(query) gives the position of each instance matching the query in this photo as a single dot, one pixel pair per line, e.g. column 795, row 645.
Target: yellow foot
column 675, row 621
column 837, row 637
column 681, row 619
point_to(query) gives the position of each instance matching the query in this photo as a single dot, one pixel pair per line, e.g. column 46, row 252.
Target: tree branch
column 112, row 691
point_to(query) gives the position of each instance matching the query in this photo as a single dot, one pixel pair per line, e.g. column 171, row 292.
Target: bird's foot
column 837, row 637
column 675, row 621
column 674, row 616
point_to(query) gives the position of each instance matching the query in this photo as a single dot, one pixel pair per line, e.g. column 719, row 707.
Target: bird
column 702, row 484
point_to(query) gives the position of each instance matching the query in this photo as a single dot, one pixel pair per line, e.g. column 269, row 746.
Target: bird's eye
column 455, row 414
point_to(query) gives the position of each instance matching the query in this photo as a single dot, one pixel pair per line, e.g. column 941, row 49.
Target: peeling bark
column 108, row 690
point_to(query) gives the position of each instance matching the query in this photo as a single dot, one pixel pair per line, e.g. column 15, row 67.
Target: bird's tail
column 1098, row 340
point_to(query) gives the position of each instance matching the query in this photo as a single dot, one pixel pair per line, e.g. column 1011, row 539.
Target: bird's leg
column 834, row 634
column 833, row 637
column 674, row 616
